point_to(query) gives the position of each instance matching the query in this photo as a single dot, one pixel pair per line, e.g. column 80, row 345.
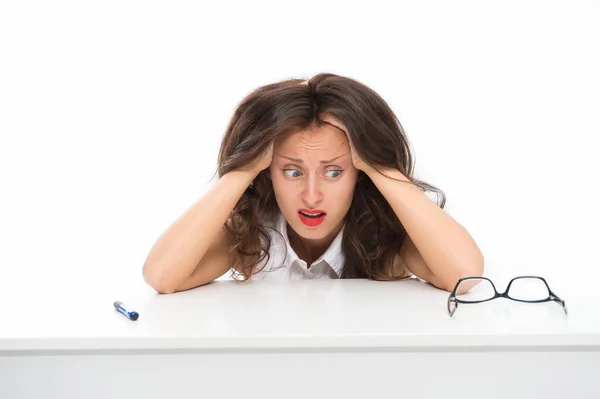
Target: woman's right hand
column 264, row 161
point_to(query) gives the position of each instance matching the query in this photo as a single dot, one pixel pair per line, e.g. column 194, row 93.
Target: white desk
column 346, row 338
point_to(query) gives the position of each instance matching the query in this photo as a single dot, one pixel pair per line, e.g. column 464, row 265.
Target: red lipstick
column 311, row 217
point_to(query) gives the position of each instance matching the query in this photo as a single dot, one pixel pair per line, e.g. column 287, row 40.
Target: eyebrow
column 301, row 161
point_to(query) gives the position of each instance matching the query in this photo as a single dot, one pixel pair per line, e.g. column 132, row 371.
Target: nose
column 311, row 195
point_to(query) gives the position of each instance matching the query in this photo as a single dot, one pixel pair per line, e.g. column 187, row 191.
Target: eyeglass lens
column 523, row 289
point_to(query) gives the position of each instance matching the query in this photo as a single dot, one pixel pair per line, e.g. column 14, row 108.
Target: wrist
column 386, row 173
column 243, row 176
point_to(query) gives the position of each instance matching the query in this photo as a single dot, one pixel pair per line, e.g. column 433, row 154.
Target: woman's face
column 302, row 180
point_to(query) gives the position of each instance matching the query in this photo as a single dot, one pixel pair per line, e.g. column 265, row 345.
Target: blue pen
column 130, row 315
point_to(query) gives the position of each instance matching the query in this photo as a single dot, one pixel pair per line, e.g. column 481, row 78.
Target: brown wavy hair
column 294, row 105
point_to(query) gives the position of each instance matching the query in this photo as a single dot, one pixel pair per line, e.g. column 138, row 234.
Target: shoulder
column 269, row 249
column 273, row 225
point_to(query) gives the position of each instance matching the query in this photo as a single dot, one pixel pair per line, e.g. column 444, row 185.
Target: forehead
column 324, row 137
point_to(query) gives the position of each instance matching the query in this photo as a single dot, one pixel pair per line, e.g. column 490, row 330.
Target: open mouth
column 312, row 219
column 309, row 215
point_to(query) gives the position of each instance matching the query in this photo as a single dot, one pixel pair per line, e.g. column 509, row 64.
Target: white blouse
column 288, row 266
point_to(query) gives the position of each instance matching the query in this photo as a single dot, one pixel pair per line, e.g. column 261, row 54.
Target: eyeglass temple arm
column 556, row 298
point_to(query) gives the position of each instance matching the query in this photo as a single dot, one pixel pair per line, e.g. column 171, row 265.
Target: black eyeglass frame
column 551, row 297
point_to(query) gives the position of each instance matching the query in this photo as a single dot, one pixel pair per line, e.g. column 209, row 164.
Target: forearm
column 446, row 247
column 180, row 248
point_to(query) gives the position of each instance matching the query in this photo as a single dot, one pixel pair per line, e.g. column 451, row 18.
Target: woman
column 316, row 181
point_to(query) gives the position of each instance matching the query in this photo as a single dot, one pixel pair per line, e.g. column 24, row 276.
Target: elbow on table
column 474, row 269
column 159, row 283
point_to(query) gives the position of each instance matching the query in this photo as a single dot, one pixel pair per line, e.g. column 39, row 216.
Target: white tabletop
column 300, row 315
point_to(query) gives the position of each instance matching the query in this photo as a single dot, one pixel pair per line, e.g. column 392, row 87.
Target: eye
column 339, row 172
column 290, row 170
column 336, row 172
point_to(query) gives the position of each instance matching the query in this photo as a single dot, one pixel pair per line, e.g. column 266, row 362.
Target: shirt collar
column 333, row 255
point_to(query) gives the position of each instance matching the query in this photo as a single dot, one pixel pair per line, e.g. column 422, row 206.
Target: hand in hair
column 264, row 161
column 356, row 159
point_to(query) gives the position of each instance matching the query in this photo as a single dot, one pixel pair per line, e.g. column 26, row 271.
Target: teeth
column 311, row 215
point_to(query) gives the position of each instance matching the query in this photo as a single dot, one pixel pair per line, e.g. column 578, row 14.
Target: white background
column 112, row 112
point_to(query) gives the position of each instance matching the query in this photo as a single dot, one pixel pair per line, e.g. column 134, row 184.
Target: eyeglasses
column 532, row 289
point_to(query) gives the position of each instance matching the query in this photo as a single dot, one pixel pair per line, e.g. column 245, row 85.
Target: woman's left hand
column 356, row 160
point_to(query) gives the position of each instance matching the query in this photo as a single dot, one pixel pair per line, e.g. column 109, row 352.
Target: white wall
column 111, row 115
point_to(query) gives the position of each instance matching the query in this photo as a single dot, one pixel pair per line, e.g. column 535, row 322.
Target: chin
column 313, row 232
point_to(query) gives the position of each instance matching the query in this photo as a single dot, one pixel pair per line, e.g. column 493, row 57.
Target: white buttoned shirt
column 284, row 263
